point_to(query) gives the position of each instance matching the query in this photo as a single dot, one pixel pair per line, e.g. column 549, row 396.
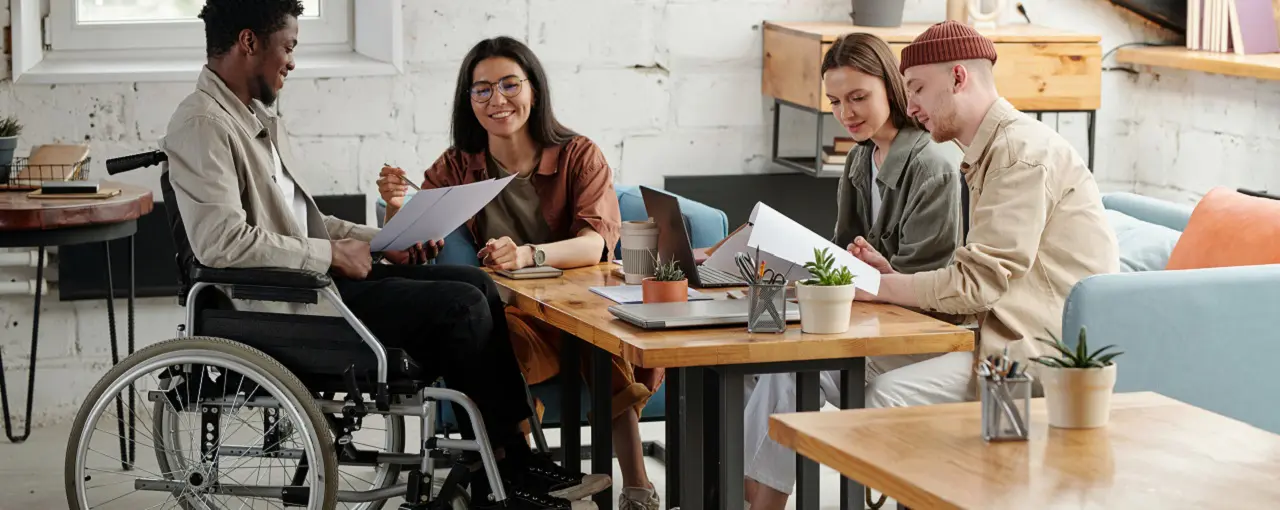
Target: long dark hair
column 468, row 134
column 871, row 55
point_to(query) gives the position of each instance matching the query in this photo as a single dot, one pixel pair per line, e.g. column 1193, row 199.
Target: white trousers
column 891, row 381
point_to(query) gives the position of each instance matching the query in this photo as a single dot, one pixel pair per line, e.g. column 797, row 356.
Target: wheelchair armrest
column 262, row 277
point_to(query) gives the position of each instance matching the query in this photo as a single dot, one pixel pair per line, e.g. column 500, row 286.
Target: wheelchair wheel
column 379, row 433
column 220, row 442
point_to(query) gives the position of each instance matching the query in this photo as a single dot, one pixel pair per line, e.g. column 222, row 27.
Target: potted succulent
column 826, row 300
column 9, row 131
column 668, row 283
column 1078, row 384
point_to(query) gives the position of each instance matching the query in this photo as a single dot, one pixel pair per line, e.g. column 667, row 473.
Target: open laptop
column 719, row 312
column 673, row 242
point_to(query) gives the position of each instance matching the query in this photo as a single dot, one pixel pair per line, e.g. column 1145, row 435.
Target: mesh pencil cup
column 766, row 308
column 1006, row 408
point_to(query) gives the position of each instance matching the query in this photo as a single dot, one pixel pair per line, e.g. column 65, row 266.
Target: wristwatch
column 539, row 256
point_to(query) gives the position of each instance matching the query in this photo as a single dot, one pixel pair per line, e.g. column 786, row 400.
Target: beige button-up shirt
column 1037, row 228
column 221, row 166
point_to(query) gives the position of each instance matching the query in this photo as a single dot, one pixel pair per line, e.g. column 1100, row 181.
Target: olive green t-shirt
column 516, row 211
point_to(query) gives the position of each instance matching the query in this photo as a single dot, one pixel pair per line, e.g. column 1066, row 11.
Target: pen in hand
column 406, row 180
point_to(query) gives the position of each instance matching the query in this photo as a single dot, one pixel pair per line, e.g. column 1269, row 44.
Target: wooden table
column 1038, row 69
column 38, row 223
column 1156, row 453
column 714, row 361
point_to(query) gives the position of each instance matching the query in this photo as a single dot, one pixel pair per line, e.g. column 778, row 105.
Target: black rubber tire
column 271, row 368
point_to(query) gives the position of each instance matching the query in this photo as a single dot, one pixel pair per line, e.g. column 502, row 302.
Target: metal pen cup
column 766, row 308
column 1006, row 407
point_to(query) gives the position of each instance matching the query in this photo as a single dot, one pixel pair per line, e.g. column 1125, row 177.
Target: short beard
column 265, row 94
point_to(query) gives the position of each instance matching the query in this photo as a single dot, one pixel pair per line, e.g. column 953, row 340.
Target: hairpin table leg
column 31, row 369
column 126, row 461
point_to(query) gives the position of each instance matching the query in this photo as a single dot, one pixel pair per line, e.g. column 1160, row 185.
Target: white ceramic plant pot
column 1078, row 398
column 824, row 310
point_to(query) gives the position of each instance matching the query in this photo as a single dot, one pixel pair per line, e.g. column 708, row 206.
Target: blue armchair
column 1204, row 336
column 706, row 226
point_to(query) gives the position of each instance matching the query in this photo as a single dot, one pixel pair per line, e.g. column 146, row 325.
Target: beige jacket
column 1037, row 228
column 220, row 166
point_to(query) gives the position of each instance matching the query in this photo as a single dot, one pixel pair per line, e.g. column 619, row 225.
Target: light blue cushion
column 1143, row 246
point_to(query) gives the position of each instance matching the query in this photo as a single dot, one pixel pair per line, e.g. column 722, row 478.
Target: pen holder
column 1006, row 408
column 767, row 308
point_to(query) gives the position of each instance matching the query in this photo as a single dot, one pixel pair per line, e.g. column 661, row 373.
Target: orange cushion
column 1228, row 228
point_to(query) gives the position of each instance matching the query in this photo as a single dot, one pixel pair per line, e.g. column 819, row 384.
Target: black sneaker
column 542, row 474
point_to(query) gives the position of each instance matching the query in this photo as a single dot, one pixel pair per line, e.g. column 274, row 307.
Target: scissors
column 775, row 279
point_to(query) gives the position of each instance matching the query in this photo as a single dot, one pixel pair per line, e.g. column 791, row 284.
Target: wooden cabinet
column 1038, row 69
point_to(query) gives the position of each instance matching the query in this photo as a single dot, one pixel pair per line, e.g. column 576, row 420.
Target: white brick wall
column 665, row 87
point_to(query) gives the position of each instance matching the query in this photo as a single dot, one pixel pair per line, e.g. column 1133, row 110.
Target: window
column 78, row 41
column 79, row 25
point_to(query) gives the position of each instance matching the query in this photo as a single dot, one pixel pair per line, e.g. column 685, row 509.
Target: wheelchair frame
column 291, row 286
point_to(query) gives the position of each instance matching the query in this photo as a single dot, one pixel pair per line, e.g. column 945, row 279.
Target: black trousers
column 450, row 319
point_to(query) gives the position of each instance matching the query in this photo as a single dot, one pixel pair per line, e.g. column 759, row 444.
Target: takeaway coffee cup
column 639, row 250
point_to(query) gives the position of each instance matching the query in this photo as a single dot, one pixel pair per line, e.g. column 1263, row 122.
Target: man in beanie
column 1036, row 216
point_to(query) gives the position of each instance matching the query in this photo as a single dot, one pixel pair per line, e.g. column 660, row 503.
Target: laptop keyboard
column 711, row 277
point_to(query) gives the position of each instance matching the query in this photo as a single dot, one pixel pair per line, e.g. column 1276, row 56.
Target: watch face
column 539, row 257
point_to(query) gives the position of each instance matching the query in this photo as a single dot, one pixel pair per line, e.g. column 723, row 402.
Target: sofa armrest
column 1207, row 337
column 1148, row 209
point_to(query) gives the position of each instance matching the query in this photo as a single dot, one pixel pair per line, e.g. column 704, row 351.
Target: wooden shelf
column 1265, row 66
column 828, row 31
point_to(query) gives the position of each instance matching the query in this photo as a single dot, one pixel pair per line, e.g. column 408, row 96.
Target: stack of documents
column 433, row 214
column 785, row 246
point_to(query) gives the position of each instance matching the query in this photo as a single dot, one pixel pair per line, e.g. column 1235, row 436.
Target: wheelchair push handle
column 135, row 161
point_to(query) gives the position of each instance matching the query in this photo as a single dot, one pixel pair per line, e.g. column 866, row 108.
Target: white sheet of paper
column 434, row 213
column 723, row 259
column 781, row 236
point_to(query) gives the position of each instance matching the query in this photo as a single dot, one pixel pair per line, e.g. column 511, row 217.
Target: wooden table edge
column 898, row 488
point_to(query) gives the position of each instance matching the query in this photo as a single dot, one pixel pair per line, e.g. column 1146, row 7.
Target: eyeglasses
column 482, row 91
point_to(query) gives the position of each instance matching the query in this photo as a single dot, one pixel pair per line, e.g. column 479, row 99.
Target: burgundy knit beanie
column 945, row 42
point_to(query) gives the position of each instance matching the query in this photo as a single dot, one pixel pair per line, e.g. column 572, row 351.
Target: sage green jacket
column 921, row 220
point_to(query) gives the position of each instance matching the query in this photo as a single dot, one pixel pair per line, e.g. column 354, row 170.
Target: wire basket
column 20, row 175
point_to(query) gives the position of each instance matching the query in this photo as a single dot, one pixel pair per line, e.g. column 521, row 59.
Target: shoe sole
column 583, row 505
column 591, row 485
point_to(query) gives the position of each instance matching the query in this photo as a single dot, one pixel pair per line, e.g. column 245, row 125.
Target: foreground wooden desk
column 1038, row 69
column 706, row 371
column 1156, row 453
column 40, row 223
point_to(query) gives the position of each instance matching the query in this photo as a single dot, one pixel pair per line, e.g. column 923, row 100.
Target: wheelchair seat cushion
column 318, row 349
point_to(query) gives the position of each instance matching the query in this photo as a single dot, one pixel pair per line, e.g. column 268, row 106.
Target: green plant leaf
column 1082, row 348
column 1106, row 360
column 1099, row 351
column 1047, row 361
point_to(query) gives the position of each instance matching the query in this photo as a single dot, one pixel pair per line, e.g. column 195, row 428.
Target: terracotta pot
column 1078, row 398
column 825, row 310
column 654, row 291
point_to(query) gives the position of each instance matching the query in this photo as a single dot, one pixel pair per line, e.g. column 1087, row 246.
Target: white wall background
column 666, row 87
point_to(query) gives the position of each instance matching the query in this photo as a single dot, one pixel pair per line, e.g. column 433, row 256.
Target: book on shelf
column 831, row 157
column 843, row 144
column 1242, row 27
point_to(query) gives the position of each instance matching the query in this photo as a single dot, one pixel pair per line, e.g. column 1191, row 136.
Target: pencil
column 406, row 180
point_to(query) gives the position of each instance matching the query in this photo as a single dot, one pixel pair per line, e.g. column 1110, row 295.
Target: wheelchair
column 249, row 409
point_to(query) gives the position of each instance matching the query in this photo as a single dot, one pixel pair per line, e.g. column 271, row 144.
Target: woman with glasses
column 560, row 210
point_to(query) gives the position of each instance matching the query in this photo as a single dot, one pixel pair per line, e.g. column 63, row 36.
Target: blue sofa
column 1207, row 337
column 706, row 226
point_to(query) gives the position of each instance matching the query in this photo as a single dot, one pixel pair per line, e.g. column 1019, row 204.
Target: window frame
column 334, row 28
column 374, row 47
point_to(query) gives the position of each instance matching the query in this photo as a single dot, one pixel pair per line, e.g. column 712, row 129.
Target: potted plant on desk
column 667, row 285
column 1078, row 385
column 9, row 131
column 826, row 300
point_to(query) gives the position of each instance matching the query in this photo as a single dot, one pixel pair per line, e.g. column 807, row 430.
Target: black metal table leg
column 1093, row 133
column 31, row 369
column 673, row 418
column 125, row 459
column 853, row 396
column 602, row 423
column 133, row 414
column 808, row 399
column 570, row 401
column 711, row 445
column 732, row 469
column 690, row 467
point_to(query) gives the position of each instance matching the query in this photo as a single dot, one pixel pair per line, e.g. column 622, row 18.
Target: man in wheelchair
column 232, row 175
